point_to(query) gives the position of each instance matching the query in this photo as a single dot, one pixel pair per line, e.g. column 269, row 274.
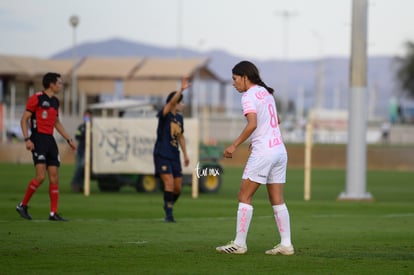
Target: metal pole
column 357, row 120
column 74, row 21
column 300, row 103
column 179, row 28
column 66, row 99
column 319, row 73
column 308, row 160
column 12, row 102
column 286, row 15
column 87, row 174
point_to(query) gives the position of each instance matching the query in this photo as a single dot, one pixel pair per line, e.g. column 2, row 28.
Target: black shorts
column 45, row 150
column 167, row 166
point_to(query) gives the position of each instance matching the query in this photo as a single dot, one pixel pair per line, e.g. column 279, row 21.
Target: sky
column 255, row 29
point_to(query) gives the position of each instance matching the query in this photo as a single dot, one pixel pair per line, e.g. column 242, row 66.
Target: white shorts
column 266, row 169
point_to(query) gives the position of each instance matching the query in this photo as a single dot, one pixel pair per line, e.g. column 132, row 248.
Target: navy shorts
column 45, row 150
column 167, row 166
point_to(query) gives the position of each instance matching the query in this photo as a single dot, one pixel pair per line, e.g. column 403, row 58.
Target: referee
column 42, row 110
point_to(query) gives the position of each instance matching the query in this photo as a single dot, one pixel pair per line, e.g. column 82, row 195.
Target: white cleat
column 280, row 249
column 232, row 248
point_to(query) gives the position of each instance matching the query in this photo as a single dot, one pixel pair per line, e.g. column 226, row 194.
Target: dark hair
column 50, row 78
column 171, row 95
column 248, row 69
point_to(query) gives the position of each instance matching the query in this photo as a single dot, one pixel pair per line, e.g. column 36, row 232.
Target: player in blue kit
column 170, row 137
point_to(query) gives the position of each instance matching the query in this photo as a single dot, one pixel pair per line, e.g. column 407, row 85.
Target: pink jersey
column 266, row 139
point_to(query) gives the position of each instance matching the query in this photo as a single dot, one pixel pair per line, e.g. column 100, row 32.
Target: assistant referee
column 42, row 115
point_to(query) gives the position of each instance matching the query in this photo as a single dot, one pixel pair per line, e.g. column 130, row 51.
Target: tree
column 405, row 71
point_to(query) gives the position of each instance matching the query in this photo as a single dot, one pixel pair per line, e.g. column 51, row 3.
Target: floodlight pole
column 357, row 119
column 74, row 21
column 319, row 73
column 179, row 28
column 286, row 16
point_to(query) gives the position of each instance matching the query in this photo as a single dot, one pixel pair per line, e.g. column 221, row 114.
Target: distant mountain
column 219, row 60
column 120, row 47
column 300, row 74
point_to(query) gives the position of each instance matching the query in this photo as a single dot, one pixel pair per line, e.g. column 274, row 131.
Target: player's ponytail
column 261, row 83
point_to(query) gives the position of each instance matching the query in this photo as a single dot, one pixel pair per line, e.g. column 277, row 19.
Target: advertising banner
column 125, row 145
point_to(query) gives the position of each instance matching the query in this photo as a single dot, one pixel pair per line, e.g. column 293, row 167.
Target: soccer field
column 124, row 233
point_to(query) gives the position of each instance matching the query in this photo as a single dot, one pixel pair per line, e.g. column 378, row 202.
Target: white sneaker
column 232, row 248
column 280, row 249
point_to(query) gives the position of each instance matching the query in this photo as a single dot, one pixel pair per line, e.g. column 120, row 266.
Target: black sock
column 175, row 197
column 168, row 203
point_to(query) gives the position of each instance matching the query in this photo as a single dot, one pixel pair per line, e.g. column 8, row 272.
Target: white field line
column 321, row 216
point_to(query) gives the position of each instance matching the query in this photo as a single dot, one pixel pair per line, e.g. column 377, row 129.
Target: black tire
column 210, row 183
column 148, row 184
column 108, row 184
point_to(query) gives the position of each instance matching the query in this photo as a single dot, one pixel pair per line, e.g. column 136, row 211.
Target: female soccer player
column 170, row 136
column 267, row 161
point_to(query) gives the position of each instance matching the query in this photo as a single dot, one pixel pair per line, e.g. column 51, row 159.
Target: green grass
column 123, row 233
